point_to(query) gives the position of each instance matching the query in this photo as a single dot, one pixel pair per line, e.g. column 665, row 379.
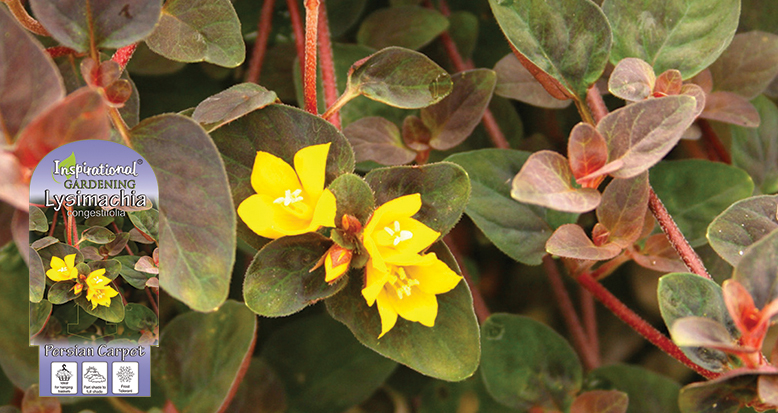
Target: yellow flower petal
column 336, row 263
column 401, row 208
column 386, row 312
column 70, row 260
column 311, row 164
column 101, row 296
column 324, row 214
column 374, row 283
column 417, row 306
column 272, row 175
column 61, row 270
column 434, row 276
column 96, row 279
column 258, row 216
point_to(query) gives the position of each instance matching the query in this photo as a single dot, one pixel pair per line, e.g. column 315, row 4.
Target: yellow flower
column 336, row 262
column 408, row 289
column 99, row 291
column 289, row 201
column 392, row 236
column 62, row 270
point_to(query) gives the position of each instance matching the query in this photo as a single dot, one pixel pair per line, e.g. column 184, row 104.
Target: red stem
column 152, row 300
column 117, row 230
column 53, row 224
column 596, row 104
column 328, row 78
column 713, row 142
column 311, row 37
column 638, row 324
column 299, row 32
column 589, row 315
column 28, row 22
column 260, row 45
column 479, row 305
column 124, row 54
column 580, row 339
column 676, row 238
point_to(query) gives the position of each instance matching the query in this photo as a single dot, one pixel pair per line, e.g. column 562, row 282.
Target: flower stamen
column 398, row 234
column 289, row 197
column 402, row 283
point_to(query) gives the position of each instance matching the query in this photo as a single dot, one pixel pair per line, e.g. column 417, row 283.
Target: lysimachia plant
column 341, row 204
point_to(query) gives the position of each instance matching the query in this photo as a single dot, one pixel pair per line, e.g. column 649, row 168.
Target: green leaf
column 135, row 278
column 446, row 397
column 514, row 81
column 567, row 39
column 448, row 351
column 343, row 14
column 260, row 391
column 139, row 317
column 37, row 276
column 231, row 104
column 641, row 134
column 199, row 30
column 648, row 392
column 742, row 224
column 688, row 295
column 526, row 364
column 37, row 220
column 756, row 150
column 748, row 65
column 466, row 34
column 693, row 206
column 146, row 221
column 112, row 314
column 279, row 280
column 197, row 218
column 97, row 221
column 353, row 196
column 282, row 131
column 444, row 189
column 98, row 235
column 519, row 230
column 29, row 80
column 201, row 355
column 571, row 241
column 703, row 332
column 411, row 27
column 728, row 393
column 455, row 117
column 109, row 25
column 377, row 139
column 546, row 179
column 600, row 401
column 687, row 35
column 59, row 250
column 62, row 292
column 632, row 79
column 339, row 372
column 758, row 270
column 39, row 315
column 399, row 77
column 18, row 360
column 81, row 115
column 623, row 209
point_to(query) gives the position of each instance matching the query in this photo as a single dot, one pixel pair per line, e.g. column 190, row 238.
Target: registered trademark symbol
column 140, row 161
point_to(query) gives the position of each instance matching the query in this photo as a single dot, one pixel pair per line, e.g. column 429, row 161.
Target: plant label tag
column 94, row 270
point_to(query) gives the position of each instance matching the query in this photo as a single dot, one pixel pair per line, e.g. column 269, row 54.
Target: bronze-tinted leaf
column 411, row 27
column 632, row 79
column 376, row 139
column 748, row 65
column 731, row 108
column 571, row 241
column 231, row 104
column 623, row 208
column 741, row 225
column 514, row 81
column 588, row 153
column 756, row 150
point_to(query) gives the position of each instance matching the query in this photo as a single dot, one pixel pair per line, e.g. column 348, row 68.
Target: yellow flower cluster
column 399, row 277
column 99, row 292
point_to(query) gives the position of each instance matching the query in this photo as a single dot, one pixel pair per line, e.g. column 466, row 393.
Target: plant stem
column 712, row 140
column 123, row 55
column 117, row 230
column 120, row 126
column 580, row 339
column 152, row 300
column 589, row 315
column 53, row 223
column 479, row 305
column 20, row 13
column 583, row 111
column 260, row 45
column 299, row 32
column 328, row 78
column 59, row 51
column 338, row 104
column 639, row 325
column 676, row 238
column 596, row 104
column 311, row 37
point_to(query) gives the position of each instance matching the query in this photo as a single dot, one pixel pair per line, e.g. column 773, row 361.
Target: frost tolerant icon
column 125, row 374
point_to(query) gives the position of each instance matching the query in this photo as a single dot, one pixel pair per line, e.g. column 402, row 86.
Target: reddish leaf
column 730, row 108
column 546, row 180
column 698, row 94
column 100, row 75
column 642, row 133
column 741, row 307
column 14, row 181
column 514, row 81
column 33, row 403
column 232, row 103
column 623, row 209
column 588, row 152
column 767, row 388
column 703, row 332
column 668, row 83
column 659, row 255
column 600, row 401
column 571, row 241
column 29, row 80
column 455, row 117
column 416, row 134
column 552, row 86
column 81, row 115
column 377, row 139
column 632, row 79
column 748, row 65
column 705, row 80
